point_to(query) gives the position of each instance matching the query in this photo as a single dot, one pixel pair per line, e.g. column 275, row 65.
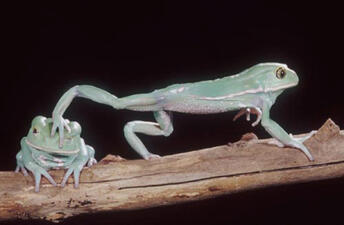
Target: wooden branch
column 117, row 184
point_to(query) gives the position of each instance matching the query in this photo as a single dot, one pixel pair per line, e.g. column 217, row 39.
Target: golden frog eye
column 280, row 73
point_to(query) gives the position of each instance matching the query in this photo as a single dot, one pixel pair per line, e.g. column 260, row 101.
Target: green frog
column 40, row 152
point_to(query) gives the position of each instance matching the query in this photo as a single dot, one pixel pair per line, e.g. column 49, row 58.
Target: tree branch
column 116, row 184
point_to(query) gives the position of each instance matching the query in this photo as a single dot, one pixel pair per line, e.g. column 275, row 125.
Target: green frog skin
column 40, row 152
column 253, row 91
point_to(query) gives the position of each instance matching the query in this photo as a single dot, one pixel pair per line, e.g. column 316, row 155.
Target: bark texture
column 117, row 184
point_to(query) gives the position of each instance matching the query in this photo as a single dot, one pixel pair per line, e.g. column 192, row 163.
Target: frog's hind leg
column 91, row 160
column 20, row 164
column 162, row 127
column 139, row 102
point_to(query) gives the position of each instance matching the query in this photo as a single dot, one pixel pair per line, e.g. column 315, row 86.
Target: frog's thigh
column 20, row 163
column 141, row 102
column 90, row 151
column 19, row 158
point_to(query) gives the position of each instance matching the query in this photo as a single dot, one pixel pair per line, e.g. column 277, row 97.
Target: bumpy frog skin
column 40, row 152
column 252, row 91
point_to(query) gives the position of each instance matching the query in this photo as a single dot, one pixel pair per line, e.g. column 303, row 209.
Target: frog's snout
column 52, row 140
column 296, row 79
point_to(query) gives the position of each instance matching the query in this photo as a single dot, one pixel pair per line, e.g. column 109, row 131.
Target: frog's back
column 228, row 85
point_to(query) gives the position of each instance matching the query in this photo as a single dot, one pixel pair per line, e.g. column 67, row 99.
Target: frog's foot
column 91, row 162
column 152, row 156
column 297, row 139
column 22, row 169
column 20, row 164
column 61, row 124
column 248, row 111
column 75, row 168
column 296, row 143
column 299, row 145
column 303, row 138
column 38, row 172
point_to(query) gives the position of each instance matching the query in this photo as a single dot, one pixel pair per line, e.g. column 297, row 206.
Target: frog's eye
column 280, row 73
column 35, row 131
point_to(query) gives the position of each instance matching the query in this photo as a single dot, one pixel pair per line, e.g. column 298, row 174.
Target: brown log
column 117, row 184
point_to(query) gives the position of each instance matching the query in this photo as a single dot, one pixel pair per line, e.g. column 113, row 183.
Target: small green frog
column 40, row 152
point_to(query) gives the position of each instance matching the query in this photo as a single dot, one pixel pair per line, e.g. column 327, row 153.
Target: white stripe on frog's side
column 51, row 150
column 251, row 91
column 179, row 90
column 57, row 160
column 42, row 159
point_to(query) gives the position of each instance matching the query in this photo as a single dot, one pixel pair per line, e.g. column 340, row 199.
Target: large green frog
column 40, row 152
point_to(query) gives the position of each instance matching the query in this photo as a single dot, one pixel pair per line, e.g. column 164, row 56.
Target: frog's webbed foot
column 75, row 168
column 303, row 138
column 248, row 111
column 91, row 162
column 152, row 156
column 296, row 142
column 61, row 124
column 20, row 164
column 38, row 172
column 22, row 169
column 297, row 139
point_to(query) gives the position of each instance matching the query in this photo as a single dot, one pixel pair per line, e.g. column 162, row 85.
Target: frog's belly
column 199, row 106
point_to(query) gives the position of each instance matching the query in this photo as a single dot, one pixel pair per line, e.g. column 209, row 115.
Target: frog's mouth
column 277, row 88
column 52, row 150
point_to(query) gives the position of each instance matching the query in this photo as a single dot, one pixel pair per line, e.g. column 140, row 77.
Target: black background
column 134, row 47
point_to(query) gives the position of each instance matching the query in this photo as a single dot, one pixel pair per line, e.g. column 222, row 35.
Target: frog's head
column 273, row 77
column 39, row 137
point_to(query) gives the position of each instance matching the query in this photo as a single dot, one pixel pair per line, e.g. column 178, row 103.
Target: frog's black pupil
column 35, row 131
column 282, row 73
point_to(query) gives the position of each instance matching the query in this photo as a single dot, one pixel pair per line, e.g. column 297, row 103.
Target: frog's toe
column 49, row 178
column 37, row 181
column 22, row 169
column 152, row 156
column 303, row 138
column 299, row 145
column 38, row 172
column 91, row 162
column 66, row 176
column 248, row 112
column 76, row 178
column 73, row 169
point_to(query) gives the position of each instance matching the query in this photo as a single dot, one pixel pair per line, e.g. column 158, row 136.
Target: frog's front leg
column 25, row 160
column 248, row 111
column 277, row 132
column 79, row 163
